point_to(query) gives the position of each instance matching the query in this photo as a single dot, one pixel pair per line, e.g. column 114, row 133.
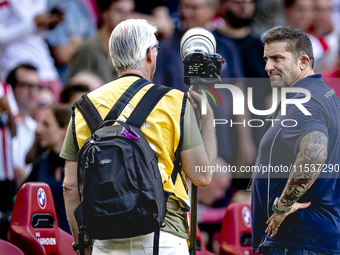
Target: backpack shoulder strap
column 125, row 98
column 89, row 112
column 146, row 105
column 138, row 117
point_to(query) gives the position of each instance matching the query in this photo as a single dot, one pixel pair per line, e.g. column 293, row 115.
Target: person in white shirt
column 25, row 83
column 22, row 26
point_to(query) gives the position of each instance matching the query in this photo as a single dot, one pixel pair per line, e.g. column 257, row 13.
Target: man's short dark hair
column 288, row 3
column 71, row 89
column 62, row 113
column 12, row 76
column 104, row 5
column 298, row 42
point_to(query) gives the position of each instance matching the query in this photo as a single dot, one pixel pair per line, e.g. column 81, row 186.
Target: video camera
column 201, row 63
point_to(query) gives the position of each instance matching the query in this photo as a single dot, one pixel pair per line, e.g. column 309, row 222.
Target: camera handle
column 198, row 108
column 193, row 218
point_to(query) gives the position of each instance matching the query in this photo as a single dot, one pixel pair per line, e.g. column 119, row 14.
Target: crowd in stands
column 53, row 51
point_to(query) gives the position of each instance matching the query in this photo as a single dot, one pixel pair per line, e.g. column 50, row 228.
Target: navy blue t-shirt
column 317, row 227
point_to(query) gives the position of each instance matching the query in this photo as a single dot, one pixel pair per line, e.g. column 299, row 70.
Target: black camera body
column 202, row 67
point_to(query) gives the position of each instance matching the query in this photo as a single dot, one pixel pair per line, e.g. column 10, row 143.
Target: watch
column 87, row 244
column 75, row 246
column 277, row 210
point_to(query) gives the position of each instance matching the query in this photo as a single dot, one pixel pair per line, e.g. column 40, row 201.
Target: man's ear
column 304, row 61
column 149, row 55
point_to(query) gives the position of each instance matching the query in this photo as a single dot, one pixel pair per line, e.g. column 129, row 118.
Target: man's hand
column 88, row 251
column 47, row 20
column 4, row 106
column 194, row 95
column 274, row 222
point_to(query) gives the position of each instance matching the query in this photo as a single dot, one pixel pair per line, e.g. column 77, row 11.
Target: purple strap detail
column 134, row 136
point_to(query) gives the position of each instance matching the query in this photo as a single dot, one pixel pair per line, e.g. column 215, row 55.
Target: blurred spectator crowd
column 53, row 51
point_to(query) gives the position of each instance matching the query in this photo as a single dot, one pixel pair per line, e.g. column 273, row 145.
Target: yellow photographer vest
column 162, row 129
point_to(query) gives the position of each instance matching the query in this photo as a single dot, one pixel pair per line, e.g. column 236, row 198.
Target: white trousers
column 142, row 245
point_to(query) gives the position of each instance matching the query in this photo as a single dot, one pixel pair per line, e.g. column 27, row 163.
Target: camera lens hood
column 197, row 39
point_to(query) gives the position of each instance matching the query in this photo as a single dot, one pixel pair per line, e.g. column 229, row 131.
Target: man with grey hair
column 134, row 49
column 300, row 151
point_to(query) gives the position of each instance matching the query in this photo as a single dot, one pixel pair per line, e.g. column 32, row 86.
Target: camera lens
column 197, row 39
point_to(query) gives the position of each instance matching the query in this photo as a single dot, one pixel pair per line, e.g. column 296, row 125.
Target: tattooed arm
column 312, row 152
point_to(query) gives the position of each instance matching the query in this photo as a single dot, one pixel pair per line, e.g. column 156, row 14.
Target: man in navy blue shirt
column 296, row 198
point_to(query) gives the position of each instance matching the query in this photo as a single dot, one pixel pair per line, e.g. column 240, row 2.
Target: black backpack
column 119, row 182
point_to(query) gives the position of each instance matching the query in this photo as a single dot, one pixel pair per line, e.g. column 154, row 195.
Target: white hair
column 129, row 42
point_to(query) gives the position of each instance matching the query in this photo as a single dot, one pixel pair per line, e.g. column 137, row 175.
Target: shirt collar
column 130, row 74
column 307, row 80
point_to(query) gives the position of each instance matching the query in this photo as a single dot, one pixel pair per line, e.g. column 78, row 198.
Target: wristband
column 277, row 210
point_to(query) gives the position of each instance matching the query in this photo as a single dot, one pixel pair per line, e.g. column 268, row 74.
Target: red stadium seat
column 200, row 246
column 8, row 248
column 34, row 226
column 236, row 231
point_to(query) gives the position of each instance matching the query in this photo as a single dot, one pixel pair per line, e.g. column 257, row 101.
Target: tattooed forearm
column 312, row 150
